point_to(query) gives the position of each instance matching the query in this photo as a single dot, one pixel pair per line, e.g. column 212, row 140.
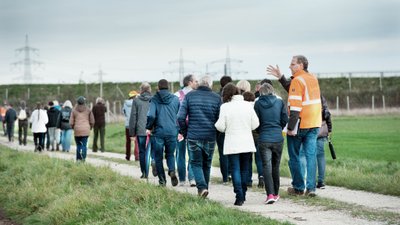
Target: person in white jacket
column 237, row 119
column 38, row 121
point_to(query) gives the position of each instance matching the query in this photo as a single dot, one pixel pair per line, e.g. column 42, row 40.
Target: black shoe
column 174, row 179
column 260, row 182
column 321, row 185
column 238, row 202
column 154, row 169
column 203, row 193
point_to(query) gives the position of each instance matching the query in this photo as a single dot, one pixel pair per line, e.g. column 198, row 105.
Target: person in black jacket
column 11, row 117
column 54, row 122
column 99, row 112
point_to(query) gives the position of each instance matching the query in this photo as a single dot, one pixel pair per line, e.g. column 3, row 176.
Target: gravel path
column 283, row 210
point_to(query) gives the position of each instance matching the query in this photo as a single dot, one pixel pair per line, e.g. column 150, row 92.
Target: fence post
column 58, row 91
column 383, row 103
column 348, row 103
column 337, row 105
column 108, row 111
column 6, row 94
column 373, row 103
column 380, row 81
column 29, row 93
column 349, row 81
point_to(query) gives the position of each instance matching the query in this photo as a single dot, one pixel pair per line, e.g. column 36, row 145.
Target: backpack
column 65, row 116
column 22, row 114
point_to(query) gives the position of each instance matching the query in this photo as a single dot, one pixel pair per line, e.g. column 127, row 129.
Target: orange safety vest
column 304, row 97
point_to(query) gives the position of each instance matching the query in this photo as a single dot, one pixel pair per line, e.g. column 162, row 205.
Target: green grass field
column 42, row 190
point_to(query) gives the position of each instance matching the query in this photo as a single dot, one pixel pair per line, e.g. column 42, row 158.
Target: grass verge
column 40, row 190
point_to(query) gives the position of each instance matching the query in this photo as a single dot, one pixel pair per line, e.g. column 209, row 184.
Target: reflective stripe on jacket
column 304, row 97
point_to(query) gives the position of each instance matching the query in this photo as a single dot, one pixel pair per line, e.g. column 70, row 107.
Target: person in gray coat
column 137, row 125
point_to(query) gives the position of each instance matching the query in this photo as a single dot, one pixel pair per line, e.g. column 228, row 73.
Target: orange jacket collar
column 298, row 73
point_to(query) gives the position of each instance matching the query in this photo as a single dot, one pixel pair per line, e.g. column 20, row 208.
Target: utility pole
column 27, row 61
column 227, row 64
column 181, row 66
column 100, row 73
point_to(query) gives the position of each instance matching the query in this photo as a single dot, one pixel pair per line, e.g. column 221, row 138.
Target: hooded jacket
column 138, row 116
column 126, row 109
column 54, row 121
column 273, row 117
column 82, row 121
column 162, row 115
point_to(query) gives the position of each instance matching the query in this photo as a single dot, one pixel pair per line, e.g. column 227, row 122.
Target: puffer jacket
column 82, row 121
column 161, row 118
column 202, row 108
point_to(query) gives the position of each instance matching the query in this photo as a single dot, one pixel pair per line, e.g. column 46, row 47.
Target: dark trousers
column 102, row 131
column 271, row 154
column 10, row 131
column 223, row 159
column 128, row 144
column 22, row 130
column 38, row 139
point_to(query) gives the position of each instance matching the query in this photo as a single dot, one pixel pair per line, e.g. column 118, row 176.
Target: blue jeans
column 320, row 160
column 81, row 147
column 158, row 144
column 200, row 158
column 142, row 153
column 271, row 154
column 223, row 159
column 66, row 139
column 181, row 162
column 259, row 166
column 307, row 138
column 240, row 169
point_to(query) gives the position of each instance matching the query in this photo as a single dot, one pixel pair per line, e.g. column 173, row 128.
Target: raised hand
column 274, row 71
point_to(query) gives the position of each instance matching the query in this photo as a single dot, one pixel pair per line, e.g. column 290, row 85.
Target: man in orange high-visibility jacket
column 304, row 104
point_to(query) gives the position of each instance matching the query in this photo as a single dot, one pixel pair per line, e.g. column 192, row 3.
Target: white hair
column 68, row 104
column 206, row 81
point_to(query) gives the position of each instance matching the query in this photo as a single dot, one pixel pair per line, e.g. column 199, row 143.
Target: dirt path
column 284, row 210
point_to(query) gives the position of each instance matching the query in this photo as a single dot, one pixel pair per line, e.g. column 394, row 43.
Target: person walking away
column 66, row 129
column 126, row 110
column 161, row 121
column 81, row 121
column 38, row 121
column 11, row 117
column 237, row 119
column 54, row 123
column 3, row 110
column 99, row 112
column 223, row 159
column 197, row 115
column 273, row 117
column 23, row 116
column 189, row 83
column 137, row 128
column 304, row 102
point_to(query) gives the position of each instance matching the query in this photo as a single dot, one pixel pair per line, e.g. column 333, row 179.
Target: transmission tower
column 181, row 66
column 227, row 64
column 27, row 61
column 100, row 73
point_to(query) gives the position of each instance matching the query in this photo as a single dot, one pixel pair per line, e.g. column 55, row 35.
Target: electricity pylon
column 27, row 61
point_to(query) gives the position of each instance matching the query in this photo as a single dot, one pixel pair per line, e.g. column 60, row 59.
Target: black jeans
column 102, row 131
column 271, row 158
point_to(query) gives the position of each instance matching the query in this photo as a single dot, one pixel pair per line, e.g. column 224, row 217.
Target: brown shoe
column 310, row 193
column 293, row 191
column 203, row 193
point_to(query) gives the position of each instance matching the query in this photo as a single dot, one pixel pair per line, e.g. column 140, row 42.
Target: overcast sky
column 135, row 40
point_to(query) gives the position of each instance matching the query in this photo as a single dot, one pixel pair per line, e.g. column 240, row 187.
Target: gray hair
column 243, row 86
column 303, row 60
column 145, row 87
column 266, row 89
column 206, row 81
column 99, row 100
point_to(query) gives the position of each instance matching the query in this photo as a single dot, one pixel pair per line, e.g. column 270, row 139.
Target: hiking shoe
column 260, row 182
column 154, row 169
column 310, row 193
column 270, row 199
column 174, row 179
column 277, row 197
column 203, row 193
column 293, row 191
column 192, row 183
column 238, row 202
column 321, row 185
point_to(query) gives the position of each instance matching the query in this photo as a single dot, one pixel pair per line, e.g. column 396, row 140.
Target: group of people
column 55, row 123
column 241, row 123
